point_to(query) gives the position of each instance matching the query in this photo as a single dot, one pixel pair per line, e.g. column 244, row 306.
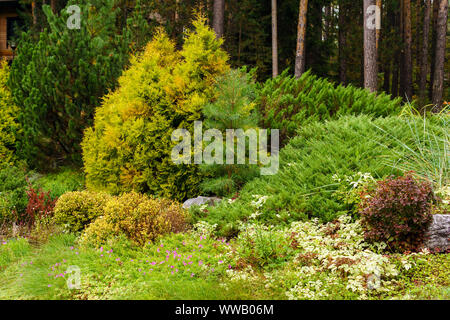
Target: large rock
column 438, row 233
column 210, row 201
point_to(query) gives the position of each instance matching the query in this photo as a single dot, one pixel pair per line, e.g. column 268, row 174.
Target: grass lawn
column 177, row 267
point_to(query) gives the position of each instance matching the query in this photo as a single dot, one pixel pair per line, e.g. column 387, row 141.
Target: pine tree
column 58, row 80
column 233, row 109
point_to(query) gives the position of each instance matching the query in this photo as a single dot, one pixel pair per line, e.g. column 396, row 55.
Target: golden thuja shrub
column 140, row 218
column 9, row 126
column 129, row 146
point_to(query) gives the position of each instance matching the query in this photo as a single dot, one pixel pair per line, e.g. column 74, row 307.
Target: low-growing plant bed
column 307, row 260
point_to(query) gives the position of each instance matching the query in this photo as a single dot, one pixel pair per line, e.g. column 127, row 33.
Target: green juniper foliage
column 286, row 103
column 304, row 185
column 64, row 180
column 13, row 193
column 58, row 80
column 234, row 108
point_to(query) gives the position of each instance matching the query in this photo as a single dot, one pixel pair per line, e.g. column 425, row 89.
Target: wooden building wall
column 7, row 9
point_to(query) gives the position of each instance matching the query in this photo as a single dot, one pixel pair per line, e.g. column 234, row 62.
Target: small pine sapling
column 234, row 108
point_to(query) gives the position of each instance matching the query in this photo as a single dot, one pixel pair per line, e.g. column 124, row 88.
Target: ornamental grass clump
column 397, row 212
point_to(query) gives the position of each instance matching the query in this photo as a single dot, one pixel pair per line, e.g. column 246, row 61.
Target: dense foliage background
column 87, row 122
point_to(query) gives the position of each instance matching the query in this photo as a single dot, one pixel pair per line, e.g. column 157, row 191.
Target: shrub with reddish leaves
column 40, row 204
column 397, row 212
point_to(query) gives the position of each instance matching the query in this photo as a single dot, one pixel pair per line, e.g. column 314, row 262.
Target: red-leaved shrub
column 397, row 212
column 40, row 204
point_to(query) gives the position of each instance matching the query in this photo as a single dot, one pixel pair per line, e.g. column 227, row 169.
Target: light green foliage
column 13, row 193
column 138, row 217
column 263, row 246
column 129, row 147
column 13, row 250
column 349, row 189
column 326, row 261
column 60, row 182
column 9, row 126
column 76, row 210
column 423, row 277
column 287, row 103
column 304, row 185
column 58, row 80
column 125, row 271
column 234, row 108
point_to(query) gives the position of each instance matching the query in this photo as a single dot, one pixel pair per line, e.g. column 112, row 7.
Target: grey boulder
column 437, row 236
column 210, row 201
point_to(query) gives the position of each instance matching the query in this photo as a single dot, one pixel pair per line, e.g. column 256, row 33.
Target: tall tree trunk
column 424, row 51
column 342, row 42
column 218, row 17
column 397, row 62
column 274, row 39
column 177, row 14
column 379, row 5
column 33, row 12
column 240, row 42
column 370, row 49
column 301, row 39
column 328, row 17
column 433, row 44
column 419, row 19
column 53, row 5
column 402, row 49
column 387, row 77
column 396, row 74
column 441, row 34
column 407, row 51
column 314, row 27
column 388, row 56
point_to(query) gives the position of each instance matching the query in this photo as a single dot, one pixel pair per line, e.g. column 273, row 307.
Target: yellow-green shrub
column 9, row 126
column 98, row 232
column 139, row 217
column 76, row 210
column 130, row 145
